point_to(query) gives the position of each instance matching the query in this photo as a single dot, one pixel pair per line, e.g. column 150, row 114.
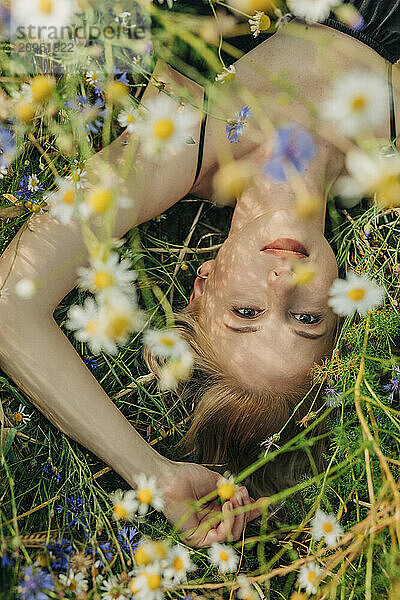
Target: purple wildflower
column 90, row 362
column 393, row 387
column 294, row 147
column 270, row 442
column 7, row 147
column 235, row 127
column 126, row 539
column 92, row 113
column 49, row 471
column 35, row 584
column 106, row 550
column 59, row 552
column 73, row 512
column 5, row 560
column 333, row 397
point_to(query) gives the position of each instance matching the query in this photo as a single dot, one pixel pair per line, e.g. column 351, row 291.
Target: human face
column 268, row 332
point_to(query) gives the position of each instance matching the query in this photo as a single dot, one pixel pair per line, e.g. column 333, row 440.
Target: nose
column 280, row 279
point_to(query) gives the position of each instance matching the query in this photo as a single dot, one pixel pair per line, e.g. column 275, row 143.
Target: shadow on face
column 268, row 332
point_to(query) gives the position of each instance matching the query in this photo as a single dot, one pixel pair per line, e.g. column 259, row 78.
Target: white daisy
column 370, row 174
column 151, row 551
column 308, row 577
column 3, row 172
column 62, row 203
column 74, row 582
column 357, row 103
column 95, row 79
column 21, row 417
column 124, row 505
column 312, row 10
column 25, row 288
column 224, row 557
column 149, row 583
column 165, row 127
column 325, row 526
column 227, row 75
column 355, row 293
column 112, row 589
column 88, row 323
column 259, row 22
column 78, row 177
column 226, row 487
column 108, row 276
column 179, row 564
column 103, row 199
column 122, row 317
column 147, row 494
column 128, row 118
column 33, row 182
column 165, row 343
column 245, row 592
column 175, row 371
column 42, row 17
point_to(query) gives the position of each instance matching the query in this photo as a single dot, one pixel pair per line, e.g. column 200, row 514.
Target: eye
column 306, row 318
column 247, row 312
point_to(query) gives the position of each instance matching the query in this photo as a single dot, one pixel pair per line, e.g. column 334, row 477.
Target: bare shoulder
column 165, row 77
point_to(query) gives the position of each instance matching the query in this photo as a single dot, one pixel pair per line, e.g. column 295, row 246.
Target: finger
column 240, row 519
column 259, row 507
column 227, row 519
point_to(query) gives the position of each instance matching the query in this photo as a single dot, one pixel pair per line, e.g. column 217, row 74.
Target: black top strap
column 393, row 128
column 202, row 137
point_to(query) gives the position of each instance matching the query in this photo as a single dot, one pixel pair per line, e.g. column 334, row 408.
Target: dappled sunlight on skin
column 272, row 349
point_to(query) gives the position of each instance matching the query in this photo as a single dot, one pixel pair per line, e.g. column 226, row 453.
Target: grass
column 52, row 489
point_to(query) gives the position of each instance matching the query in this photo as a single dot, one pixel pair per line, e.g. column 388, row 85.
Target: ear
column 199, row 283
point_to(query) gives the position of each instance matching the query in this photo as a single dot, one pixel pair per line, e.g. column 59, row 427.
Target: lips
column 283, row 245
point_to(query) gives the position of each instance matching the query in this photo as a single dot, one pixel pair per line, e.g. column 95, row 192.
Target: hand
column 183, row 485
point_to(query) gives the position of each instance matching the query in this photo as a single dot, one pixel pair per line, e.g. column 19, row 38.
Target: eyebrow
column 299, row 332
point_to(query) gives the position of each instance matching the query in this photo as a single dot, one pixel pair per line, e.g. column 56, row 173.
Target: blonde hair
column 229, row 422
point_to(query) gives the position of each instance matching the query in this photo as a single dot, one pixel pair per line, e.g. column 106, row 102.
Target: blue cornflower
column 107, row 550
column 73, row 512
column 7, row 147
column 235, row 127
column 48, row 471
column 34, row 585
column 5, row 560
column 90, row 362
column 118, row 75
column 394, row 384
column 60, row 551
column 126, row 539
column 92, row 113
column 294, row 147
column 333, row 397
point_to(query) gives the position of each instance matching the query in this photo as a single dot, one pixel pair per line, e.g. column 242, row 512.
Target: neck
column 265, row 196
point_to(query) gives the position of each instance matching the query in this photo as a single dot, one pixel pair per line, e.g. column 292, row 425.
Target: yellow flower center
column 103, row 280
column 46, row 6
column 163, row 129
column 131, row 118
column 115, row 593
column 388, row 194
column 73, row 585
column 356, row 294
column 25, row 112
column 177, row 564
column 41, row 88
column 142, row 557
column 358, row 103
column 101, row 200
column 69, row 197
column 145, row 496
column 226, row 490
column 117, row 326
column 120, row 512
column 18, row 417
column 117, row 91
column 34, row 182
column 153, row 581
column 167, row 341
column 160, row 550
column 254, row 6
column 265, row 23
column 76, row 177
column 132, row 586
column 327, row 527
column 303, row 275
column 224, row 556
column 311, row 576
column 91, row 326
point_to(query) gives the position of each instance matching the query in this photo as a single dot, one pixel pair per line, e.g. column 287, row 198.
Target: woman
column 254, row 334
